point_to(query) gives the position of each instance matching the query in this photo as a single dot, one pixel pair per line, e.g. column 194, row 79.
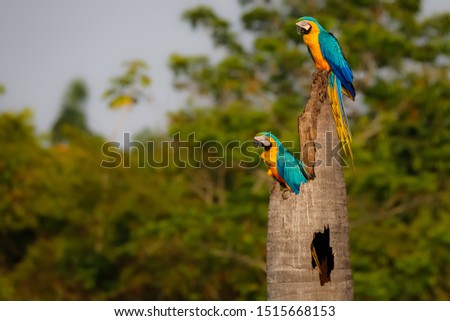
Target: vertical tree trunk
column 322, row 204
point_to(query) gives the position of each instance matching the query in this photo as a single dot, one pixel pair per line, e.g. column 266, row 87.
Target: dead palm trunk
column 321, row 207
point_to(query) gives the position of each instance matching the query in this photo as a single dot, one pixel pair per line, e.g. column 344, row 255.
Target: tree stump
column 319, row 212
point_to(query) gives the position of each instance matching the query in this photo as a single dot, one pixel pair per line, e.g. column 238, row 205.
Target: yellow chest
column 270, row 157
column 312, row 41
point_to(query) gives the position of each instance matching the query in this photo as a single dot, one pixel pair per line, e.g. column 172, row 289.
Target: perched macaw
column 283, row 166
column 327, row 55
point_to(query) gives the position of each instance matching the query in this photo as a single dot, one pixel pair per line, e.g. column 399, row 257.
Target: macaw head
column 266, row 140
column 307, row 24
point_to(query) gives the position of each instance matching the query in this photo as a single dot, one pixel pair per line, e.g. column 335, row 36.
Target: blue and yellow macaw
column 327, row 55
column 283, row 166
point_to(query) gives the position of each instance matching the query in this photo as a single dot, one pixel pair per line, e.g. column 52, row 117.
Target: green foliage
column 406, row 193
column 127, row 89
column 219, row 28
column 72, row 111
column 71, row 229
column 74, row 230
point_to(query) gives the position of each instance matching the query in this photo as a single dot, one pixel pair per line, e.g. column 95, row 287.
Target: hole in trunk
column 322, row 254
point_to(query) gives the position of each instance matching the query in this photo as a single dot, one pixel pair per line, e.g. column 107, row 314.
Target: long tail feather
column 339, row 114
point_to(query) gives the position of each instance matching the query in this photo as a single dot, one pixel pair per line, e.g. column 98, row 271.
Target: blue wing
column 290, row 169
column 332, row 53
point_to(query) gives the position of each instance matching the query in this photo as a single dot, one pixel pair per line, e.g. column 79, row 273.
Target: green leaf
column 145, row 80
column 108, row 93
column 122, row 101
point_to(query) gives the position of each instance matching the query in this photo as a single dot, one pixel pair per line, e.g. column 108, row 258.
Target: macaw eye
column 267, row 143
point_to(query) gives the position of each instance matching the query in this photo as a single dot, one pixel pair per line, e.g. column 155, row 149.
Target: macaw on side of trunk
column 283, row 166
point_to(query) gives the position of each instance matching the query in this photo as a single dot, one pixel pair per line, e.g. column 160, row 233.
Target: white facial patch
column 304, row 25
column 263, row 140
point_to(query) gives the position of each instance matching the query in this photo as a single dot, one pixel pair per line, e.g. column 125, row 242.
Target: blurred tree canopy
column 71, row 229
column 72, row 112
column 126, row 90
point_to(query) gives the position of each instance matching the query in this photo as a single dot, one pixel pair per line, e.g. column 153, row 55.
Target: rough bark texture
column 322, row 203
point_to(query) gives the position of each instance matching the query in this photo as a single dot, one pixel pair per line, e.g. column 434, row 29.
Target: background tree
column 128, row 89
column 72, row 111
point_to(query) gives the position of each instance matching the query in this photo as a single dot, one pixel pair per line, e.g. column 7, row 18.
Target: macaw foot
column 285, row 194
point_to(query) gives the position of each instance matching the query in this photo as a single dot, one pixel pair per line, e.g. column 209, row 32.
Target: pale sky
column 44, row 44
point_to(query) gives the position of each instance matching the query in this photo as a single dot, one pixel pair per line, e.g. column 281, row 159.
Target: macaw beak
column 303, row 27
column 262, row 141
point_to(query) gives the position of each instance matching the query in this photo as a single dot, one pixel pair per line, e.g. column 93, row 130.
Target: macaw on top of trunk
column 327, row 55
